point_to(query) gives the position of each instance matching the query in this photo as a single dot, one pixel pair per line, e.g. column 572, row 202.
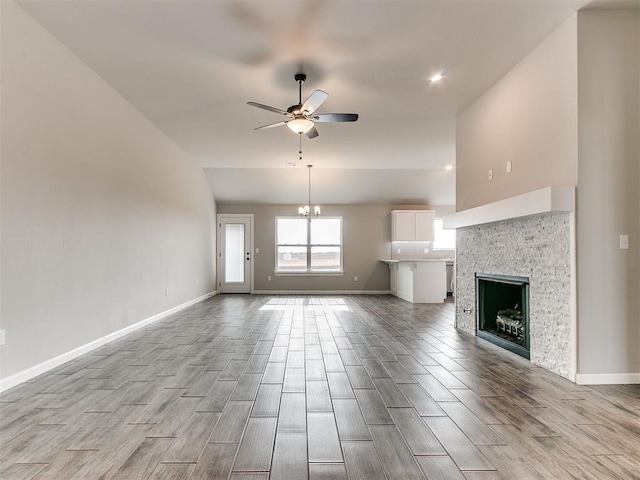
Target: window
column 308, row 246
column 443, row 239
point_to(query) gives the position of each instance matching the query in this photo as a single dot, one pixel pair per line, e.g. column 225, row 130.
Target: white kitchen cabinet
column 412, row 225
column 424, row 225
column 421, row 282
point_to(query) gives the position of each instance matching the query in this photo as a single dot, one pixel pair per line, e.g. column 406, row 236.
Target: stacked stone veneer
column 538, row 247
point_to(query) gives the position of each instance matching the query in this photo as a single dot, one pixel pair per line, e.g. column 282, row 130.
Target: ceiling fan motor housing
column 295, row 109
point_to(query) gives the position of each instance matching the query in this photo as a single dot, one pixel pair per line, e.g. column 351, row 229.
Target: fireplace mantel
column 545, row 200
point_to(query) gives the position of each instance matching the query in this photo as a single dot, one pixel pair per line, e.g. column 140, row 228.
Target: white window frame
column 308, row 272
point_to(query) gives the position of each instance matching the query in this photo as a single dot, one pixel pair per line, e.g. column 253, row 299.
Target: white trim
column 545, row 200
column 607, row 378
column 322, row 292
column 31, row 372
column 573, row 341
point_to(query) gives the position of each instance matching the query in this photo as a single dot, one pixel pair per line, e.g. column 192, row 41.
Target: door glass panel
column 234, row 253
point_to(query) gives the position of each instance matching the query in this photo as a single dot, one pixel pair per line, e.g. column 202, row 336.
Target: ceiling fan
column 301, row 118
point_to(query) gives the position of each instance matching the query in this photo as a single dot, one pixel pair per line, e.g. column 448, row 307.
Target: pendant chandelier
column 305, row 210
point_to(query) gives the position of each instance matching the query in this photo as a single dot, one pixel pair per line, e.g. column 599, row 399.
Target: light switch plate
column 624, row 242
column 490, row 175
column 509, row 167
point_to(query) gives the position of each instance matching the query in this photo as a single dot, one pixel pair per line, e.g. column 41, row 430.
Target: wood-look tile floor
column 362, row 387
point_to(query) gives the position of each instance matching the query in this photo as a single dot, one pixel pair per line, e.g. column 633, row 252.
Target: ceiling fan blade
column 335, row 117
column 314, row 101
column 312, row 132
column 271, row 109
column 271, row 125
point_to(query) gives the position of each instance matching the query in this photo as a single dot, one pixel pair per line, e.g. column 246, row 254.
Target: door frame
column 219, row 218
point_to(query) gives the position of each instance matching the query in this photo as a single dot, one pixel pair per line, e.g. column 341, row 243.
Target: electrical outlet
column 426, row 250
column 509, row 167
column 355, row 278
column 399, row 250
column 166, row 292
column 268, row 278
column 490, row 176
column 2, row 337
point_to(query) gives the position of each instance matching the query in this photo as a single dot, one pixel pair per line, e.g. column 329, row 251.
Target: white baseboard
column 25, row 375
column 321, row 292
column 607, row 378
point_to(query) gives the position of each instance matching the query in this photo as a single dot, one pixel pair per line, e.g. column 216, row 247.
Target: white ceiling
column 191, row 66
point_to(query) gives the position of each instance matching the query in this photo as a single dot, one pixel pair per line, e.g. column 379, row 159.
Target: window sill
column 308, row 274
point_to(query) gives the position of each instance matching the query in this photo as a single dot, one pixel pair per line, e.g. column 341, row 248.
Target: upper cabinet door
column 403, row 226
column 412, row 225
column 424, row 226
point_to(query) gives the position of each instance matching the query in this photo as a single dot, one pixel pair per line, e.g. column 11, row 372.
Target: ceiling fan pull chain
column 300, row 147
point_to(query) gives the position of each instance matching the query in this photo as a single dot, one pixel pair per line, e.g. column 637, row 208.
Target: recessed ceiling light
column 436, row 78
column 449, row 167
column 289, row 164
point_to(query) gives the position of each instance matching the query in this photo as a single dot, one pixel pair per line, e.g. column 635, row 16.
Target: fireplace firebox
column 503, row 311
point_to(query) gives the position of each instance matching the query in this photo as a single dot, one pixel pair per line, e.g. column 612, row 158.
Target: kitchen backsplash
column 416, row 250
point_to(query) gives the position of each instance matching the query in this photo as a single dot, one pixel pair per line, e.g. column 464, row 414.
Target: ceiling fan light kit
column 301, row 117
column 300, row 125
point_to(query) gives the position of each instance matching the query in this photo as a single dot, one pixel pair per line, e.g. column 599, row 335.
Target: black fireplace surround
column 502, row 311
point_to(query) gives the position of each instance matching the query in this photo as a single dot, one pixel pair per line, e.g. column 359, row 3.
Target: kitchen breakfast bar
column 419, row 280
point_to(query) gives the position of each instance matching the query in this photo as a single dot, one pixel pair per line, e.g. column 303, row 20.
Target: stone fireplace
column 528, row 240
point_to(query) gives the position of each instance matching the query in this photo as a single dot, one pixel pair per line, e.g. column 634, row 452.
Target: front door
column 234, row 253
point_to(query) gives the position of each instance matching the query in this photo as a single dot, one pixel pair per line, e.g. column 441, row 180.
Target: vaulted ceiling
column 191, row 66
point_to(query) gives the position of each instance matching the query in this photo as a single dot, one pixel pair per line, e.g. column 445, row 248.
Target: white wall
column 101, row 212
column 609, row 194
column 529, row 117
